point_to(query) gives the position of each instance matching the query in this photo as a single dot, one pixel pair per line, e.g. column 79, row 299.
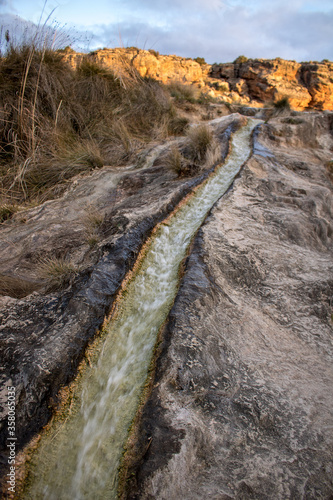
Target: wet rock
column 307, row 85
column 43, row 334
column 244, row 379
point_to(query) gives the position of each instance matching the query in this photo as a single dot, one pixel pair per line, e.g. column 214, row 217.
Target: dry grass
column 57, row 272
column 92, row 222
column 7, row 211
column 16, row 287
column 176, row 161
column 281, row 105
column 199, row 151
column 182, row 92
column 56, row 122
column 200, row 139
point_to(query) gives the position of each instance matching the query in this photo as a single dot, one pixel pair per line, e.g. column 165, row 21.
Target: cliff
column 307, row 85
column 256, row 81
column 148, row 63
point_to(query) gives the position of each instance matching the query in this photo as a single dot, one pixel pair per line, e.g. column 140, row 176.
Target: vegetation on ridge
column 57, row 122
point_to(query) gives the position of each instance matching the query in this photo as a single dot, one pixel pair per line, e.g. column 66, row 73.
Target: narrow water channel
column 79, row 457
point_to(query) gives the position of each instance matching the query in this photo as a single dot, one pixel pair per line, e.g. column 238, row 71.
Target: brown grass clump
column 281, row 105
column 7, row 211
column 182, row 92
column 199, row 151
column 57, row 122
column 176, row 161
column 92, row 221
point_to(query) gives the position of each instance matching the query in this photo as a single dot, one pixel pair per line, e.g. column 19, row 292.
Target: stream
column 78, row 457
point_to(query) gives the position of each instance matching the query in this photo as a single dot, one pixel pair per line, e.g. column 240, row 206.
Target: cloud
column 174, row 6
column 233, row 30
column 218, row 30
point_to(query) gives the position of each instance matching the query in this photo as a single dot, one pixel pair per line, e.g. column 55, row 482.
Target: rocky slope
column 44, row 331
column 241, row 406
column 307, row 85
column 256, row 81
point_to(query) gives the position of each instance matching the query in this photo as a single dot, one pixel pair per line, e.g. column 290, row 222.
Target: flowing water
column 79, row 457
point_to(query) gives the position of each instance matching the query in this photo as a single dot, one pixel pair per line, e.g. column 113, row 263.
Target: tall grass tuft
column 200, row 139
column 57, row 272
column 57, row 122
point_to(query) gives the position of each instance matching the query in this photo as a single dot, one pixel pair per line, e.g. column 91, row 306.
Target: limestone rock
column 148, row 63
column 319, row 80
column 241, row 405
column 305, row 84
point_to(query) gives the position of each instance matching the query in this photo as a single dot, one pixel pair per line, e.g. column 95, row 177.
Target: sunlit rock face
column 255, row 81
column 241, row 404
column 149, row 64
column 307, row 85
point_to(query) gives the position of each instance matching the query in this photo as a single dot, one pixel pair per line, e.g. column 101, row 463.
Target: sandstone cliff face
column 241, row 406
column 255, row 82
column 43, row 334
column 149, row 63
column 306, row 85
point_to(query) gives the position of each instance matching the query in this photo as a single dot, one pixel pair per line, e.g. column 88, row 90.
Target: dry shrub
column 16, row 287
column 175, row 160
column 92, row 221
column 200, row 139
column 178, row 125
column 282, row 104
column 183, row 92
column 57, row 122
column 57, row 272
column 181, row 165
column 7, row 211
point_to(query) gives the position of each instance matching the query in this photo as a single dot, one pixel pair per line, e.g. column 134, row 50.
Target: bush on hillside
column 57, row 122
column 240, row 60
column 282, row 104
column 200, row 60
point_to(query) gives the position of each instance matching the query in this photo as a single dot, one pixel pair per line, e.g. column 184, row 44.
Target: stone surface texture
column 242, row 401
column 44, row 333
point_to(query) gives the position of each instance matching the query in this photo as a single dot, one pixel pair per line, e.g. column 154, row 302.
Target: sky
column 218, row 30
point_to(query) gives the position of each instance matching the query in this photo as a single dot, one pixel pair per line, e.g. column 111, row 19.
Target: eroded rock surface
column 307, row 85
column 43, row 334
column 254, row 82
column 165, row 68
column 242, row 402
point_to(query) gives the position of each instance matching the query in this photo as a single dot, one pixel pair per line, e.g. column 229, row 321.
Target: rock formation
column 255, row 81
column 307, row 85
column 43, row 332
column 148, row 63
column 241, row 404
column 242, row 401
